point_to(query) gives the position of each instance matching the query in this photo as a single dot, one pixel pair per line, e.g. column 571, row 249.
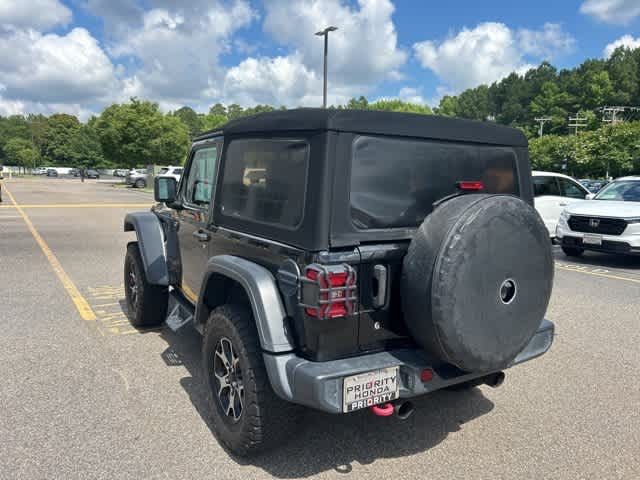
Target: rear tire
column 573, row 251
column 140, row 183
column 146, row 304
column 261, row 420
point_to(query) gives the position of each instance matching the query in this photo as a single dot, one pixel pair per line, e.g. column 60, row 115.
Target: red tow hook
column 382, row 410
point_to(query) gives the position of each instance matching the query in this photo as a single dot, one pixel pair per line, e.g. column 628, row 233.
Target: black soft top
column 374, row 122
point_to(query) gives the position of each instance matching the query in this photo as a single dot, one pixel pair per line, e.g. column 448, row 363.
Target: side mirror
column 590, row 196
column 165, row 189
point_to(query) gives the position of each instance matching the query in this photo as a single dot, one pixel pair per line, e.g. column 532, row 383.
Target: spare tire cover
column 476, row 280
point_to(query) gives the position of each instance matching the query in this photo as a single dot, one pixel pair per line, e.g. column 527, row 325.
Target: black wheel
column 247, row 416
column 573, row 251
column 146, row 303
column 140, row 183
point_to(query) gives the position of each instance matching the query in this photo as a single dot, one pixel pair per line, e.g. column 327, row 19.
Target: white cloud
column 364, row 50
column 625, row 41
column 53, row 68
column 274, row 81
column 37, row 14
column 176, row 50
column 489, row 52
column 612, row 11
column 411, row 95
column 547, row 43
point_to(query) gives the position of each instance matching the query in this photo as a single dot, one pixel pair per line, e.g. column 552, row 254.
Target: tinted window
column 177, row 171
column 571, row 189
column 394, row 182
column 264, row 181
column 543, row 186
column 202, row 173
column 163, row 170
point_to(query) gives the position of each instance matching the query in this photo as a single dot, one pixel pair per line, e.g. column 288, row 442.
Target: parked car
column 553, row 192
column 407, row 260
column 91, row 173
column 120, row 172
column 52, row 172
column 75, row 172
column 137, row 178
column 40, row 171
column 609, row 222
column 175, row 172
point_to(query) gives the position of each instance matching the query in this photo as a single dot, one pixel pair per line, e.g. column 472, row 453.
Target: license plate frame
column 370, row 388
column 591, row 239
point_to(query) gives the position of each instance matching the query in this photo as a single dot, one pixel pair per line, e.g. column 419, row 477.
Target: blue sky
column 80, row 55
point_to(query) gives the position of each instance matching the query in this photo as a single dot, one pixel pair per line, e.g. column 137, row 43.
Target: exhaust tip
column 495, row 380
column 403, row 410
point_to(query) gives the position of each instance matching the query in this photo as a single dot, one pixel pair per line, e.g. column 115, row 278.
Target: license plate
column 592, row 239
column 370, row 388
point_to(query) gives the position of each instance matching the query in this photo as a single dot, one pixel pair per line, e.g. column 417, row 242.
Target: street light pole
column 325, row 33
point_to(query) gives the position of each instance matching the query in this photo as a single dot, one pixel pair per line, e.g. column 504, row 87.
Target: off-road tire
column 573, row 251
column 140, row 183
column 266, row 421
column 147, row 306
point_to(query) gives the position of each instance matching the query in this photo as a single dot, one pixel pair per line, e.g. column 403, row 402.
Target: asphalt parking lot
column 85, row 395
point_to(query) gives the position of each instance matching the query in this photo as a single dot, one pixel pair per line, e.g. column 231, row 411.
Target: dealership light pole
column 325, row 33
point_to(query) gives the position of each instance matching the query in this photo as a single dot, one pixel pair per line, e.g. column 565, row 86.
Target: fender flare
column 262, row 291
column 151, row 243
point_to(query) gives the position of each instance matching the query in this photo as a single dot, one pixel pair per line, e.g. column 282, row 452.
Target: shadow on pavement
column 335, row 442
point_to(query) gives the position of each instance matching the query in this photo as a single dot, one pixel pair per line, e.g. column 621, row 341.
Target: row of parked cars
column 138, row 178
column 579, row 220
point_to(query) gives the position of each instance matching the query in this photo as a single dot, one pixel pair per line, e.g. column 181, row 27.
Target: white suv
column 610, row 222
column 552, row 193
column 174, row 172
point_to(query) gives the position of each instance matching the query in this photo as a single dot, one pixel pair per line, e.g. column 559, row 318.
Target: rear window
column 265, row 181
column 394, row 182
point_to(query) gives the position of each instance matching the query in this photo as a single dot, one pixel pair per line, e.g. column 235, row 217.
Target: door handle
column 563, row 204
column 201, row 236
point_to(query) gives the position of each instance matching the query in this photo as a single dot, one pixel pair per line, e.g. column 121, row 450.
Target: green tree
column 15, row 126
column 86, row 149
column 191, row 119
column 218, row 109
column 395, row 105
column 448, row 106
column 137, row 133
column 211, row 121
column 235, row 111
column 57, row 140
column 360, row 103
column 20, row 152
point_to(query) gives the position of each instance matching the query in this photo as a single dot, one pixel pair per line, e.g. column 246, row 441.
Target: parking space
column 85, row 395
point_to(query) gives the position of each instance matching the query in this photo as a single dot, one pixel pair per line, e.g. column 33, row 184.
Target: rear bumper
column 319, row 384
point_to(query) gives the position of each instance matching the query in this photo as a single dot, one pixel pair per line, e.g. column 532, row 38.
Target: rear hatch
column 394, row 184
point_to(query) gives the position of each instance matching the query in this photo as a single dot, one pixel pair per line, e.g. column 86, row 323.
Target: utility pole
column 610, row 114
column 577, row 122
column 325, row 33
column 542, row 121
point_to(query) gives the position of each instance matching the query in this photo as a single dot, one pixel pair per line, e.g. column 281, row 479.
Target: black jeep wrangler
column 342, row 260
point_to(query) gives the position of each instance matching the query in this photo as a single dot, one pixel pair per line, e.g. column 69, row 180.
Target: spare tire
column 476, row 280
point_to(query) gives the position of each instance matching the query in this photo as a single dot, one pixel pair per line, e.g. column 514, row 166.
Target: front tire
column 146, row 304
column 247, row 416
column 573, row 251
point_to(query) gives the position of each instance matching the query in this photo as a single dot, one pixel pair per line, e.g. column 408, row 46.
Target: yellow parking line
column 83, row 205
column 79, row 301
column 598, row 274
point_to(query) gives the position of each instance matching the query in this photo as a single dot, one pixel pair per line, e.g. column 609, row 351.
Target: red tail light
column 474, row 186
column 329, row 291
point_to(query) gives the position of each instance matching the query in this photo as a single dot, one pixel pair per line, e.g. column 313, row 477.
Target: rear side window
column 394, row 182
column 545, row 186
column 571, row 189
column 265, row 181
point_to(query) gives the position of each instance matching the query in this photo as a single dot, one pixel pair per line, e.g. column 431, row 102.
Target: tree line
column 138, row 133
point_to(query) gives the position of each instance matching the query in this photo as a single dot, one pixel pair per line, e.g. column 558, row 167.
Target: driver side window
column 201, row 176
